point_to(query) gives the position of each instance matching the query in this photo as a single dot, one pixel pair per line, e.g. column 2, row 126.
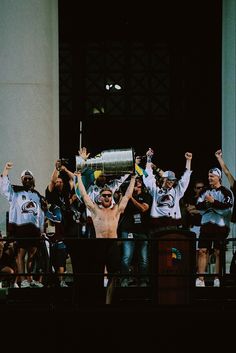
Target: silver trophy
column 109, row 162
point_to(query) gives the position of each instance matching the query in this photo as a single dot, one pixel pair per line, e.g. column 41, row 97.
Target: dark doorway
column 143, row 75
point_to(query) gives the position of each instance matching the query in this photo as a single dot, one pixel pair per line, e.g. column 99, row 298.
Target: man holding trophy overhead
column 104, row 251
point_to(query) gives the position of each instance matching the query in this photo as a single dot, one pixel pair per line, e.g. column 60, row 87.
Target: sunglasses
column 106, row 195
column 28, row 178
column 199, row 187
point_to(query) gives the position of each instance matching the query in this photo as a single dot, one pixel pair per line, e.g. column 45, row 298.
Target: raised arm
column 82, row 158
column 54, row 176
column 128, row 194
column 7, row 167
column 5, row 186
column 224, row 167
column 87, row 200
column 83, row 153
column 149, row 155
column 64, row 169
column 188, row 157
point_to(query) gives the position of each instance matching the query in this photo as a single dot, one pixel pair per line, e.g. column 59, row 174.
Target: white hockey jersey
column 25, row 206
column 166, row 201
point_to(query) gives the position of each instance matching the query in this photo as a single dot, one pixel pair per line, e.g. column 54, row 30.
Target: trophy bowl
column 109, row 162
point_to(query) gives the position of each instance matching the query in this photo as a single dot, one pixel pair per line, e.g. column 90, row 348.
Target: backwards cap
column 26, row 172
column 215, row 171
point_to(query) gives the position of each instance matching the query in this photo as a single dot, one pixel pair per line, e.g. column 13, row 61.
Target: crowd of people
column 121, row 212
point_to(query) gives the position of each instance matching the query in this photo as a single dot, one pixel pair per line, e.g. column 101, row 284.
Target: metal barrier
column 172, row 270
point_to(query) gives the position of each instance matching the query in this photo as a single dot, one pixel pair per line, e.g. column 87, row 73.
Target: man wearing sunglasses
column 94, row 181
column 26, row 220
column 104, row 251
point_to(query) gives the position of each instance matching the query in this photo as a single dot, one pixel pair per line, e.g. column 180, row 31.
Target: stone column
column 229, row 88
column 29, row 86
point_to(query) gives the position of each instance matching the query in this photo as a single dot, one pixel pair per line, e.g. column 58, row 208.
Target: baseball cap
column 169, row 175
column 215, row 171
column 26, row 172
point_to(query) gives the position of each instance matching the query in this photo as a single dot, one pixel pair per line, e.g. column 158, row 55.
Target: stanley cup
column 110, row 162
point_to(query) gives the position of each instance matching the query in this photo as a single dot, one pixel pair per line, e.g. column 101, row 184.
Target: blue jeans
column 128, row 248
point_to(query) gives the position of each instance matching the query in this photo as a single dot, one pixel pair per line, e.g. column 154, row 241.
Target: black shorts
column 93, row 255
column 28, row 243
column 212, row 236
column 26, row 236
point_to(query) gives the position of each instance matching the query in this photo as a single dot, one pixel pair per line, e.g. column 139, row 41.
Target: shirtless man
column 105, row 218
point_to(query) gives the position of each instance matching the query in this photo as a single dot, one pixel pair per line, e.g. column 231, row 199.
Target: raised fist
column 188, row 155
column 9, row 165
column 218, row 153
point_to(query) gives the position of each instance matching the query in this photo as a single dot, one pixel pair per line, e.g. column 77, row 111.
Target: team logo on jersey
column 165, row 200
column 29, row 207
